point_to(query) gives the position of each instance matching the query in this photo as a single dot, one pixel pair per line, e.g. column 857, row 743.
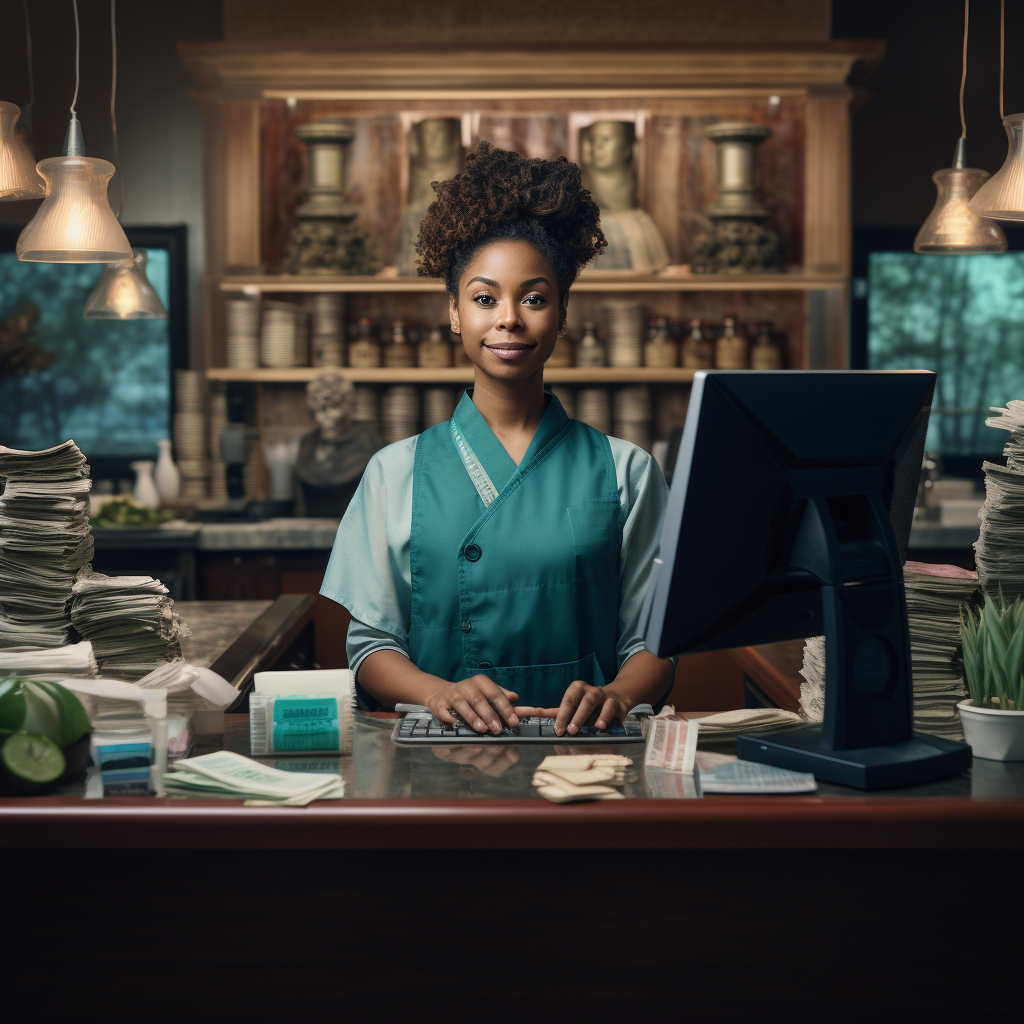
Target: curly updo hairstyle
column 502, row 196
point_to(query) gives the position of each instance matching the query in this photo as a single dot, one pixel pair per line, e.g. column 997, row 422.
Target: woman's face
column 508, row 310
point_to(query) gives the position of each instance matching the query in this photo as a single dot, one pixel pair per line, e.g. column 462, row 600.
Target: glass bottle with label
column 590, row 351
column 398, row 353
column 435, row 350
column 698, row 352
column 660, row 349
column 731, row 350
column 364, row 350
column 766, row 353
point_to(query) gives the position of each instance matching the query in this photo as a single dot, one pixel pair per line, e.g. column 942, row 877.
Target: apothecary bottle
column 698, row 352
column 731, row 350
column 660, row 349
column 398, row 353
column 364, row 350
column 766, row 352
column 589, row 350
column 435, row 350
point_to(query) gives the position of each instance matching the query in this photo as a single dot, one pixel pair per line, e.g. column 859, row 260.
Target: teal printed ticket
column 306, row 723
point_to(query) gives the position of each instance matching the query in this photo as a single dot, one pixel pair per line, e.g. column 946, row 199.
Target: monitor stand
column 908, row 762
column 866, row 739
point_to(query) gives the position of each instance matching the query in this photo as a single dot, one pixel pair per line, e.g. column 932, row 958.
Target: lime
column 12, row 704
column 73, row 722
column 32, row 758
column 41, row 715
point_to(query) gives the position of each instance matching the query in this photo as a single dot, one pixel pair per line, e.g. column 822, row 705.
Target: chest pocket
column 596, row 538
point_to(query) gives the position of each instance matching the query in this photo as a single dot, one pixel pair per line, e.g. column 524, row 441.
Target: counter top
column 482, row 797
column 268, row 534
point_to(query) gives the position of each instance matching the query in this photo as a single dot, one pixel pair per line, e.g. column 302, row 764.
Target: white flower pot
column 991, row 733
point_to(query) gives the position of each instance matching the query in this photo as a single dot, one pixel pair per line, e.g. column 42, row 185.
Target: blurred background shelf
column 391, row 284
column 452, row 375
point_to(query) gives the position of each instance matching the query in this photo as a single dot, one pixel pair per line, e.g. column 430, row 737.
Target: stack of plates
column 327, row 327
column 190, row 390
column 633, row 416
column 624, row 332
column 438, row 405
column 243, row 335
column 400, row 413
column 593, row 406
column 568, row 399
column 218, row 421
column 367, row 404
column 284, row 341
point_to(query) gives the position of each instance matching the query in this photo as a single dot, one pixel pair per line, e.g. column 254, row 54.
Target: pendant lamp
column 952, row 227
column 74, row 224
column 1002, row 197
column 18, row 176
column 123, row 292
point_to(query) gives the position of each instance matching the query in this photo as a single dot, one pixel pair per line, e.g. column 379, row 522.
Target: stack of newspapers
column 227, row 774
column 934, row 596
column 1000, row 548
column 129, row 620
column 44, row 540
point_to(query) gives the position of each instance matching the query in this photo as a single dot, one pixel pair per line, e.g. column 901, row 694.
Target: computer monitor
column 788, row 517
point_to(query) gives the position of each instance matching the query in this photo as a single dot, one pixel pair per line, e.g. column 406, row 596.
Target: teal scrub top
column 455, row 557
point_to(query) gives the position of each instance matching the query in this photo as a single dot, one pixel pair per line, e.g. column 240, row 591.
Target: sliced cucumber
column 33, row 758
column 12, row 704
column 72, row 721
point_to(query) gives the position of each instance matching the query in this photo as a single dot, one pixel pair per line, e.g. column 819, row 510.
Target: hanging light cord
column 1002, row 52
column 78, row 49
column 113, row 116
column 26, row 115
column 963, row 77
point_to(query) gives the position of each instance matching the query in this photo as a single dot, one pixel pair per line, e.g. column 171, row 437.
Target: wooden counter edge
column 712, row 823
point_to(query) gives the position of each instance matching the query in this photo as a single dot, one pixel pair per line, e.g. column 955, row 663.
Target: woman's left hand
column 582, row 701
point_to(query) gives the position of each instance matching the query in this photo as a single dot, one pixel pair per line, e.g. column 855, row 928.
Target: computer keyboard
column 423, row 727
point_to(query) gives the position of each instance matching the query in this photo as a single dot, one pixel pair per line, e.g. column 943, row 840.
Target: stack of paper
column 129, row 620
column 232, row 775
column 567, row 778
column 44, row 540
column 72, row 660
column 934, row 596
column 1000, row 549
column 727, row 725
column 671, row 744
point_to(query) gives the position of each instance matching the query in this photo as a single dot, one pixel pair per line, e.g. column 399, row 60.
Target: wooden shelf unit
column 254, row 95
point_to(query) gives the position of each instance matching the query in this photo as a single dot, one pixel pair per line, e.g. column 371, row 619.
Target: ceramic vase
column 167, row 476
column 145, row 486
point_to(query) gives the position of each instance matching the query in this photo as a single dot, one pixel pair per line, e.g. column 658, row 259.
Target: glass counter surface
column 382, row 770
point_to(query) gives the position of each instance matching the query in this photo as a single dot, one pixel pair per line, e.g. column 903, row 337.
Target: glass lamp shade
column 123, row 292
column 75, row 223
column 18, row 177
column 951, row 227
column 1002, row 197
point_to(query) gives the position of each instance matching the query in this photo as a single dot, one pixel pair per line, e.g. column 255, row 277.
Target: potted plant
column 993, row 644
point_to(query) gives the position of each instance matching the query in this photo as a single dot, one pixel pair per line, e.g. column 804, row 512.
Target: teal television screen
column 108, row 384
column 961, row 316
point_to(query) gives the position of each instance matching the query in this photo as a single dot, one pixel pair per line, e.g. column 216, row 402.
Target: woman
column 495, row 564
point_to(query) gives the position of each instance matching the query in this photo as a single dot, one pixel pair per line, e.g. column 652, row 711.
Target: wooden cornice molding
column 310, row 71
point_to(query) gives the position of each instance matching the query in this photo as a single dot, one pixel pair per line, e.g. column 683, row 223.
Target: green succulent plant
column 993, row 642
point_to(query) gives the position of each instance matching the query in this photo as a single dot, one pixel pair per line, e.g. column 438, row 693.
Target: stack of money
column 1000, row 549
column 44, row 540
column 567, row 778
column 934, row 596
column 129, row 620
column 227, row 774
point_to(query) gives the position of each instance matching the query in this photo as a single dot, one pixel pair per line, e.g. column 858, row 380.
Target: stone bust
column 606, row 159
column 334, row 454
column 435, row 154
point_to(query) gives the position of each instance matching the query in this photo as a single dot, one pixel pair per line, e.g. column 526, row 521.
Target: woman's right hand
column 479, row 701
